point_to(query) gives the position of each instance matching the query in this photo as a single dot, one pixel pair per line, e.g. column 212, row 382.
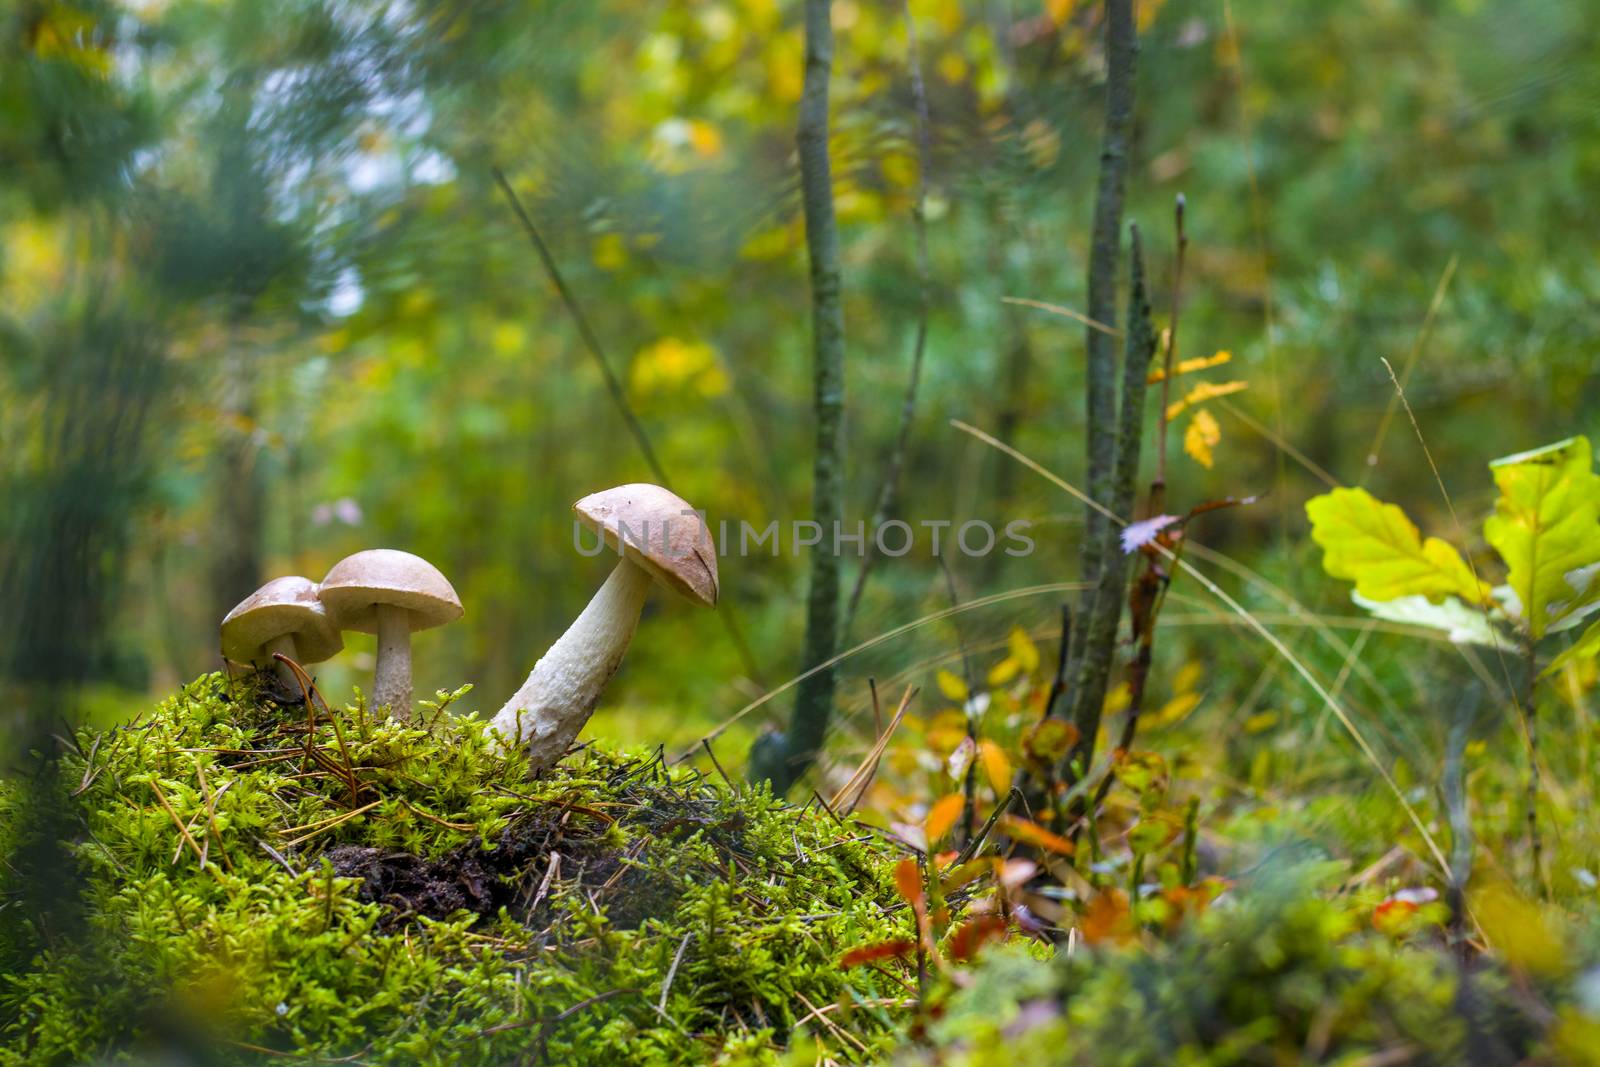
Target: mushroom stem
column 565, row 685
column 392, row 684
column 283, row 643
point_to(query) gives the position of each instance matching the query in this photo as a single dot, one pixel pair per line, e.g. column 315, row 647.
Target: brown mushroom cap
column 282, row 607
column 663, row 535
column 357, row 584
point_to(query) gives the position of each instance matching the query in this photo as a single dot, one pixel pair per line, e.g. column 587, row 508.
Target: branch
column 590, row 340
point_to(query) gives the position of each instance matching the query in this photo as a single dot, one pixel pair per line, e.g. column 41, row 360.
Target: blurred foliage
column 1272, row 973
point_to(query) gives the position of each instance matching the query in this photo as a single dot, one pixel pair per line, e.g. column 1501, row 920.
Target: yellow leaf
column 609, row 251
column 1546, row 526
column 1023, row 650
column 951, row 686
column 1263, row 720
column 1117, row 700
column 996, row 766
column 1189, row 366
column 941, row 817
column 1586, row 647
column 1203, row 392
column 952, row 67
column 1004, row 671
column 1374, row 545
column 1527, row 936
column 1176, row 710
column 705, row 139
column 1059, row 10
column 1188, row 676
column 1203, row 433
column 672, row 364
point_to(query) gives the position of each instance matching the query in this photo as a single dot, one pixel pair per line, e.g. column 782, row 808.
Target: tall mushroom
column 286, row 616
column 660, row 538
column 392, row 594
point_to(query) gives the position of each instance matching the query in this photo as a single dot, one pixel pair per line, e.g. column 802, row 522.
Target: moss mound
column 253, row 885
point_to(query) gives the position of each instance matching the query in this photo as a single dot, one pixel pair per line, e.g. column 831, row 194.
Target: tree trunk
column 1122, row 52
column 783, row 763
column 1099, row 643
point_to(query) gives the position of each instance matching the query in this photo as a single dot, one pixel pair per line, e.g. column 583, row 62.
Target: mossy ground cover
column 257, row 882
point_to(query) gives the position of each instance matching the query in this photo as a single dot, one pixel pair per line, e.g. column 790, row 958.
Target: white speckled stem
column 565, row 685
column 392, row 686
column 284, row 644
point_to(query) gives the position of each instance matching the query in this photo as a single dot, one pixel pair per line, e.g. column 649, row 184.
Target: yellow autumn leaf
column 1023, row 650
column 673, row 364
column 996, row 766
column 951, row 686
column 705, row 139
column 1203, row 392
column 1201, row 436
column 1546, row 526
column 1374, row 545
column 1117, row 700
column 1188, row 676
column 1262, row 720
column 609, row 251
column 941, row 817
column 1176, row 710
column 1004, row 671
column 1189, row 366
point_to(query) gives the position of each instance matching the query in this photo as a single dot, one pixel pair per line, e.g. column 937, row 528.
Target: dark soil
column 632, row 884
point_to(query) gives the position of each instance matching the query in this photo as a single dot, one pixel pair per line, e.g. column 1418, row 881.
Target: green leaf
column 1465, row 625
column 1374, row 545
column 1586, row 647
column 1546, row 526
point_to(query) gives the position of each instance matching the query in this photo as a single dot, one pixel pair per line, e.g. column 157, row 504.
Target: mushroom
column 660, row 538
column 284, row 616
column 392, row 594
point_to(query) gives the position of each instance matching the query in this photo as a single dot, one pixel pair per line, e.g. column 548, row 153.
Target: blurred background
column 262, row 304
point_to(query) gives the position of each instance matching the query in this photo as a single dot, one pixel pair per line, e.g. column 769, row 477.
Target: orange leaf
column 884, row 950
column 1107, row 918
column 941, row 817
column 908, row 879
column 965, row 942
column 1033, row 834
column 996, row 766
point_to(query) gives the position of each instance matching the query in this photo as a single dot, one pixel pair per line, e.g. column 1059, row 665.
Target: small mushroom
column 284, row 616
column 392, row 594
column 661, row 539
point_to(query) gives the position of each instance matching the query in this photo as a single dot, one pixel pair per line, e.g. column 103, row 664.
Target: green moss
column 348, row 903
